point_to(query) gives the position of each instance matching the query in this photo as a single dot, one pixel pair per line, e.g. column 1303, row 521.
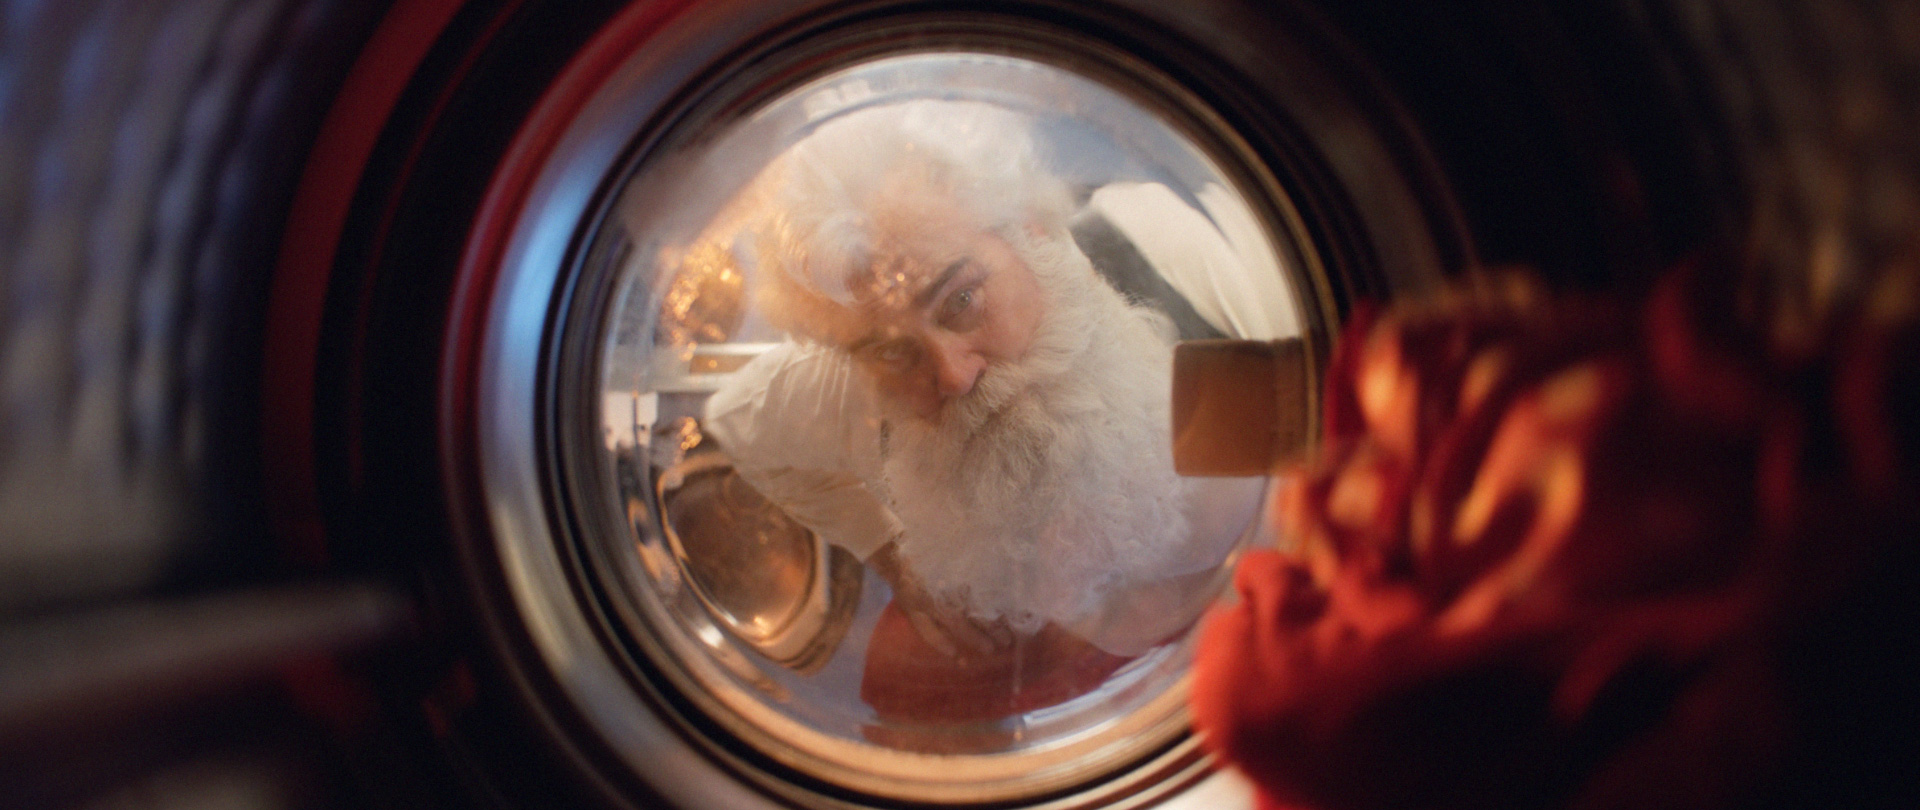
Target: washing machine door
column 784, row 392
column 779, row 403
column 780, row 396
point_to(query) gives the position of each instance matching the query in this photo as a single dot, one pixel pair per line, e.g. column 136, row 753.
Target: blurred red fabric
column 909, row 681
column 1574, row 552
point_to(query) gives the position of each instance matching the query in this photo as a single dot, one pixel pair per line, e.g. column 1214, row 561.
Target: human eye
column 893, row 354
column 960, row 310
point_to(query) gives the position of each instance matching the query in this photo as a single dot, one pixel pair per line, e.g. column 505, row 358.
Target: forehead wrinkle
column 889, row 278
column 921, row 236
column 924, row 298
column 908, row 271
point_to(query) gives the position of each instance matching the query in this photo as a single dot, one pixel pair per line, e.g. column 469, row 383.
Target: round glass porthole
column 884, row 388
column 888, row 390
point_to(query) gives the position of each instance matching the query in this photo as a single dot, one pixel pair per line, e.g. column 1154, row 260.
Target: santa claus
column 966, row 402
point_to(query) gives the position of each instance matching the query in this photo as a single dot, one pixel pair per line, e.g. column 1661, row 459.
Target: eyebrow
column 921, row 300
column 926, row 295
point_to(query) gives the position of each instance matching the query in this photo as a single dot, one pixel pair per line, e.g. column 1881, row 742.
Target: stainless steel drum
column 767, row 579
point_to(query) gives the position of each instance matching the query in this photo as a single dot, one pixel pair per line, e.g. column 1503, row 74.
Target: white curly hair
column 813, row 244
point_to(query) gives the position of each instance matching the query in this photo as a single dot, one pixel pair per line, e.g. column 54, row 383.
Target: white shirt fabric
column 802, row 425
column 1228, row 274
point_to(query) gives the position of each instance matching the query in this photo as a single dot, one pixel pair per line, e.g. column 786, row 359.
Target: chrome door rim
column 536, row 239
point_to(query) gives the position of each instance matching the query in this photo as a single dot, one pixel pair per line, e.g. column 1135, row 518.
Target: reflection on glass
column 934, row 336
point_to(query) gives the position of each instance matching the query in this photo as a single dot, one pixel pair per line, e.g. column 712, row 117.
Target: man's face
column 946, row 300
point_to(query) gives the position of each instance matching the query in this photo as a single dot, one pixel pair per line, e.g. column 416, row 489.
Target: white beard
column 1051, row 483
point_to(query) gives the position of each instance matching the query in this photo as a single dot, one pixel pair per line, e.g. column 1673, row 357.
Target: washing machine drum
column 785, row 393
column 765, row 578
column 794, row 403
column 802, row 426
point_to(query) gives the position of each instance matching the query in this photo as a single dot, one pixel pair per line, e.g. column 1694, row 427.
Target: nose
column 955, row 366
